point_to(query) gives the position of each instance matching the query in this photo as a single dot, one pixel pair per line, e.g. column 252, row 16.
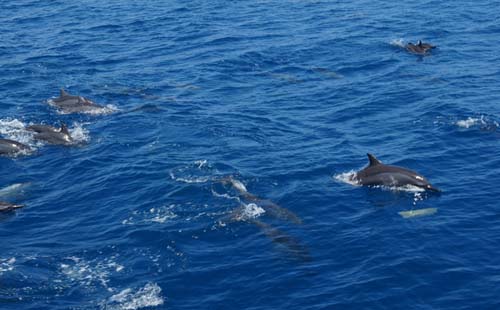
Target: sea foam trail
column 128, row 299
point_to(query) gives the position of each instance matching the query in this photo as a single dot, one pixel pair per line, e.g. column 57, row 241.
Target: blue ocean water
column 285, row 96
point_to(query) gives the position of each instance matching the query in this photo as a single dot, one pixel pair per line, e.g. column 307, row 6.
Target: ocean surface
column 284, row 97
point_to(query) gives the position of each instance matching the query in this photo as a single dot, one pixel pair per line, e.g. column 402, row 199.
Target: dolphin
column 7, row 206
column 269, row 207
column 291, row 245
column 379, row 174
column 420, row 48
column 10, row 147
column 51, row 134
column 67, row 103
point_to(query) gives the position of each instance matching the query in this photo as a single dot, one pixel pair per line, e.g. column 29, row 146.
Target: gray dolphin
column 11, row 147
column 52, row 134
column 74, row 104
column 7, row 206
column 290, row 244
column 379, row 174
column 270, row 207
column 420, row 48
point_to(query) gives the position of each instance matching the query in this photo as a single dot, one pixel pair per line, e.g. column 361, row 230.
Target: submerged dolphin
column 51, row 134
column 379, row 174
column 420, row 48
column 10, row 147
column 270, row 207
column 7, row 206
column 74, row 104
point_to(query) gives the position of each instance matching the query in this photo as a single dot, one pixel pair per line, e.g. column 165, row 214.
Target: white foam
column 107, row 109
column 15, row 129
column 79, row 134
column 482, row 121
column 248, row 212
column 201, row 163
column 252, row 210
column 127, row 299
column 7, row 264
column 153, row 215
column 398, row 42
column 99, row 110
column 90, row 273
column 225, row 195
column 200, row 171
column 468, row 122
column 347, row 177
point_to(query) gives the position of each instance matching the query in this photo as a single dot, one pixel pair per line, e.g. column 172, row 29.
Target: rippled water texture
column 285, row 97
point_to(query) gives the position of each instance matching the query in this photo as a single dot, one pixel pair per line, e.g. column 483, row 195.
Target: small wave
column 127, row 299
column 153, row 215
column 7, row 264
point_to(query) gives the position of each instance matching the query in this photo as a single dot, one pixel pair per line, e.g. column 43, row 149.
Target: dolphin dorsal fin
column 63, row 93
column 419, row 43
column 373, row 160
column 64, row 129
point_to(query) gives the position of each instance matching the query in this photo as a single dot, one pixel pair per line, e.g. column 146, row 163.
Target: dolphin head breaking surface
column 7, row 206
column 377, row 173
column 51, row 134
column 11, row 147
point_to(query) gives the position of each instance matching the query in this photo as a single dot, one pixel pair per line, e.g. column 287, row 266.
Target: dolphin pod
column 376, row 173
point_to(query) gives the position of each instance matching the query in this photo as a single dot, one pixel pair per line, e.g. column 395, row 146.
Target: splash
column 15, row 129
column 482, row 121
column 147, row 296
column 90, row 273
column 347, row 177
column 200, row 171
column 398, row 42
column 79, row 134
column 248, row 212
